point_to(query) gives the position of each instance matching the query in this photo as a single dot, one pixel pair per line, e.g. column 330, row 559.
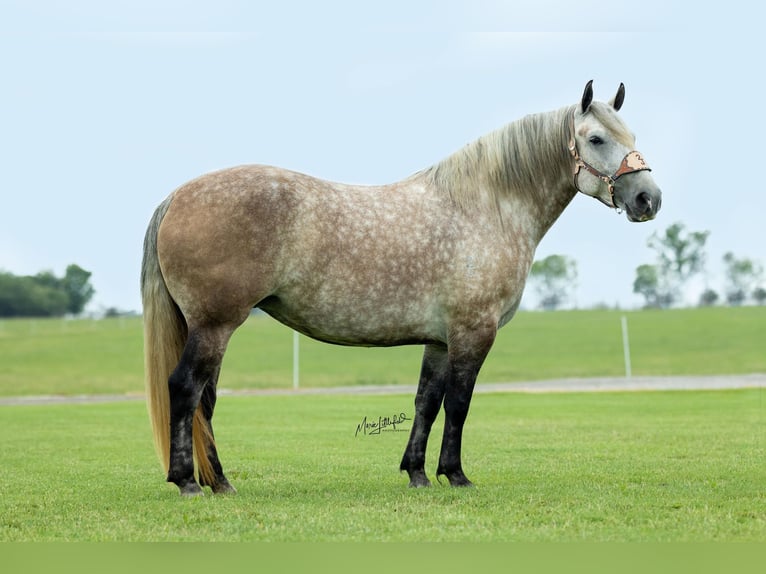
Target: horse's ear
column 619, row 98
column 587, row 97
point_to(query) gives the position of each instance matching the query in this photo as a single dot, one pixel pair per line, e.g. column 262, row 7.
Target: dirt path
column 606, row 384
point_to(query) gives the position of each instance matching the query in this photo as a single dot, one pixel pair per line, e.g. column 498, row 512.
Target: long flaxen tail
column 165, row 334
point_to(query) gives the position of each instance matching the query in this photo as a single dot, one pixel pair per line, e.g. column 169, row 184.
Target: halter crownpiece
column 633, row 161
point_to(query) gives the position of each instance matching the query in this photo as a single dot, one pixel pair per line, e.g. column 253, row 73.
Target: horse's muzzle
column 644, row 205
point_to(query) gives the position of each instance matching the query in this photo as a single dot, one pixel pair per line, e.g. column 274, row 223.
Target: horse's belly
column 367, row 323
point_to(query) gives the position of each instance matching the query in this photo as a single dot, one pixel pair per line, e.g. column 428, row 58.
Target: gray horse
column 439, row 259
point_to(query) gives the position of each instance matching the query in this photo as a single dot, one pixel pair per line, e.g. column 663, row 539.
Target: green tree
column 76, row 284
column 647, row 283
column 552, row 278
column 742, row 275
column 708, row 298
column 44, row 294
column 680, row 256
column 30, row 297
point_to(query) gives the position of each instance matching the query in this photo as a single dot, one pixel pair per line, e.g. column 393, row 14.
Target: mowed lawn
column 85, row 357
column 668, row 466
column 663, row 466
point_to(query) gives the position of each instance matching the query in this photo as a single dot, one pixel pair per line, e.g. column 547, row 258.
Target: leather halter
column 633, row 161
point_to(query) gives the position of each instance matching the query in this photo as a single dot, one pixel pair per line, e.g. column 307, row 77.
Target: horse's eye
column 595, row 140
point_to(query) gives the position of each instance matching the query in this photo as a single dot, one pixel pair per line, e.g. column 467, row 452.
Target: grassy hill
column 84, row 356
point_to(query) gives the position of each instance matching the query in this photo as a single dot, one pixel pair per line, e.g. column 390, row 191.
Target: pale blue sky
column 106, row 107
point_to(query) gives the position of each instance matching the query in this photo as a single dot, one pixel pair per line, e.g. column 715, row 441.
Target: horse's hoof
column 459, row 480
column 191, row 490
column 223, row 487
column 456, row 478
column 418, row 479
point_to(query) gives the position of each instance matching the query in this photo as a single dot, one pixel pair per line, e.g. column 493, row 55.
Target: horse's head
column 607, row 166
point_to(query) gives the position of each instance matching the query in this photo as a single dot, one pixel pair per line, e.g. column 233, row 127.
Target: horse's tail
column 165, row 334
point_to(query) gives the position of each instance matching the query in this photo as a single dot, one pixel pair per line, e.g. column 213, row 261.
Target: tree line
column 45, row 294
column 679, row 256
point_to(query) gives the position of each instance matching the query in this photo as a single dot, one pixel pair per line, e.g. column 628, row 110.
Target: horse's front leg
column 433, row 380
column 467, row 352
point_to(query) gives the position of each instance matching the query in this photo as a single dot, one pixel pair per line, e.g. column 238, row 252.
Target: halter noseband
column 633, row 161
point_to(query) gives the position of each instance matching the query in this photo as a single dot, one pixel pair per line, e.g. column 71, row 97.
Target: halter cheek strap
column 633, row 161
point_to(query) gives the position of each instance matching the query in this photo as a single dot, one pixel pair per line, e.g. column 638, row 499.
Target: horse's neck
column 551, row 198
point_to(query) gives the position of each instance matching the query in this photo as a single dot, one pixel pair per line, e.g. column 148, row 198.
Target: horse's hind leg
column 199, row 365
column 219, row 484
column 433, row 379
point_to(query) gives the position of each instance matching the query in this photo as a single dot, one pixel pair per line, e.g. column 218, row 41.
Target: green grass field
column 76, row 357
column 672, row 466
column 668, row 466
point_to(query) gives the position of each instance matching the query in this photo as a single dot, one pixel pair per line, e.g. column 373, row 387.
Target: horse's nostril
column 644, row 201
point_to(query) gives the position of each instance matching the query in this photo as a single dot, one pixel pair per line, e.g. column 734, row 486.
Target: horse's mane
column 519, row 158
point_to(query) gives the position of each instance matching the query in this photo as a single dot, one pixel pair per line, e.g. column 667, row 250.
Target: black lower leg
column 464, row 364
column 219, row 484
column 187, row 383
column 427, row 403
column 450, row 464
column 182, row 406
column 456, row 402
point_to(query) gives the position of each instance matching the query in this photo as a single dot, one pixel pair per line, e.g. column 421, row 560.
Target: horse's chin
column 639, row 218
column 636, row 215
